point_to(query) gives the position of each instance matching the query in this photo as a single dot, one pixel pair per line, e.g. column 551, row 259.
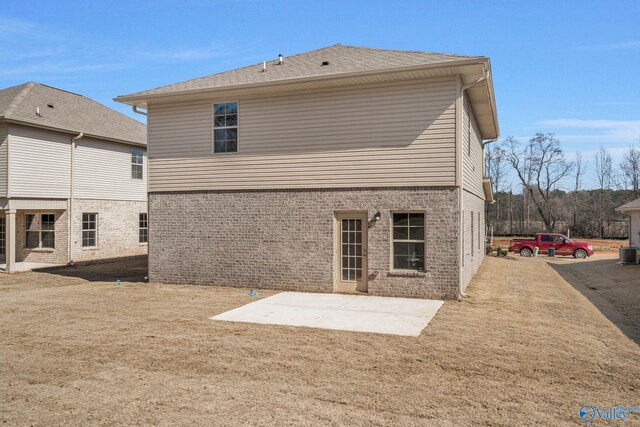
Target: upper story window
column 137, row 164
column 225, row 127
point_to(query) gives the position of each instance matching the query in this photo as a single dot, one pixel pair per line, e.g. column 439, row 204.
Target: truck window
column 546, row 238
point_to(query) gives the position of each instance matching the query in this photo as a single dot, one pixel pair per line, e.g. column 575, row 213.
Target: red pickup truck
column 543, row 241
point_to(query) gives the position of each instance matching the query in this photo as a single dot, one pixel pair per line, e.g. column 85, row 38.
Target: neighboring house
column 341, row 169
column 72, row 179
column 633, row 210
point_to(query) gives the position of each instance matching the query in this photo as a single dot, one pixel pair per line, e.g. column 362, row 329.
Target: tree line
column 536, row 188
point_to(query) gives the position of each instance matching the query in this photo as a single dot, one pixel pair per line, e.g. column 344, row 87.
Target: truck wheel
column 580, row 254
column 526, row 252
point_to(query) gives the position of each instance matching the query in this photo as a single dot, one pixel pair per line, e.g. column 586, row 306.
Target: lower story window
column 143, row 228
column 40, row 231
column 89, row 230
column 408, row 241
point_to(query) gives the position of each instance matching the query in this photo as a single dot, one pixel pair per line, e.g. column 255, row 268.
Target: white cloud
column 186, row 54
column 625, row 131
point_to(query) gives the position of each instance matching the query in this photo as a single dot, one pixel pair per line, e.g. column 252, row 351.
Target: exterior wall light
column 377, row 216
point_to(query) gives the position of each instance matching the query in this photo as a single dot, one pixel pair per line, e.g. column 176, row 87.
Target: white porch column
column 10, row 240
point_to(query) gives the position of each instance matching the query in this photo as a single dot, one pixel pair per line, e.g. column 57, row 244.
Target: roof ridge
column 19, row 98
column 404, row 50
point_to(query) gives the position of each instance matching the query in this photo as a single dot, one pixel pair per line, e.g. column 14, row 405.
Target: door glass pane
column 351, row 249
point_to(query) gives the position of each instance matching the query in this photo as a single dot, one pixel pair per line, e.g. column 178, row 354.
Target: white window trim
column 143, row 228
column 213, row 128
column 89, row 248
column 141, row 164
column 40, row 248
column 392, row 268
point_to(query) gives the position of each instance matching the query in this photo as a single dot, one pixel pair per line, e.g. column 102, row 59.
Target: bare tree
column 604, row 175
column 540, row 166
column 581, row 169
column 630, row 169
column 496, row 168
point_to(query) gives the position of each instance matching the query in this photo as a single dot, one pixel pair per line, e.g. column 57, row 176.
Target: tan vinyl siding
column 103, row 171
column 472, row 163
column 472, row 258
column 400, row 134
column 40, row 163
column 4, row 142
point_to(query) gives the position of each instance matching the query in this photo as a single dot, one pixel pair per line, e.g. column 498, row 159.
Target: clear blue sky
column 569, row 67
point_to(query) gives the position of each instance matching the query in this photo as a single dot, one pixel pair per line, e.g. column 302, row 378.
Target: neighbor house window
column 408, row 241
column 478, row 230
column 472, row 244
column 89, row 230
column 3, row 236
column 143, row 228
column 137, row 164
column 466, row 110
column 225, row 127
column 40, row 231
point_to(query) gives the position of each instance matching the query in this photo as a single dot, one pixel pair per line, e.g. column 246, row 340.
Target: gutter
column 135, row 110
column 72, row 196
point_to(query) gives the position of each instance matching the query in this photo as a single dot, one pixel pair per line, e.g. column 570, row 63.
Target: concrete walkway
column 21, row 267
column 360, row 313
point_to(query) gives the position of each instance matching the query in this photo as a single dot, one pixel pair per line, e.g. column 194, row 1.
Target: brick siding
column 284, row 239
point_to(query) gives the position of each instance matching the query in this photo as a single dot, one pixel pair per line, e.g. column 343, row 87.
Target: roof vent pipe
column 280, row 59
column 264, row 66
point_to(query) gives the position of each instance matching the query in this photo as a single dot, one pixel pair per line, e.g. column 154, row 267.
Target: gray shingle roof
column 633, row 205
column 341, row 59
column 70, row 112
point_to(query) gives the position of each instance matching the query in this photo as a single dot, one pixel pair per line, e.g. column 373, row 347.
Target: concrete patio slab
column 359, row 313
column 21, row 267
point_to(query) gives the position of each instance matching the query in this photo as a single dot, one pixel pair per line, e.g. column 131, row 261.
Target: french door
column 351, row 252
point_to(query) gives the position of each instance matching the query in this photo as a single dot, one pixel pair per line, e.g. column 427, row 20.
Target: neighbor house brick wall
column 285, row 239
column 117, row 229
column 59, row 254
column 473, row 256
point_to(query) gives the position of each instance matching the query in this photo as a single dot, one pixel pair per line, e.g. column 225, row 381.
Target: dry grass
column 524, row 348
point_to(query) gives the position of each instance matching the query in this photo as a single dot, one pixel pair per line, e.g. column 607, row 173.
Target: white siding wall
column 472, row 162
column 102, row 170
column 40, row 163
column 382, row 135
column 634, row 230
column 4, row 141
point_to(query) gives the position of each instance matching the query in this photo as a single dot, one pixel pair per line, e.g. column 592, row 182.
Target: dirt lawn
column 525, row 348
column 613, row 288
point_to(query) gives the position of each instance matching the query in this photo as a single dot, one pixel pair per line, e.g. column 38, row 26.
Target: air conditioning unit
column 630, row 255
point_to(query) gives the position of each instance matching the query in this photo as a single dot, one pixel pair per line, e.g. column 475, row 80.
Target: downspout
column 72, row 195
